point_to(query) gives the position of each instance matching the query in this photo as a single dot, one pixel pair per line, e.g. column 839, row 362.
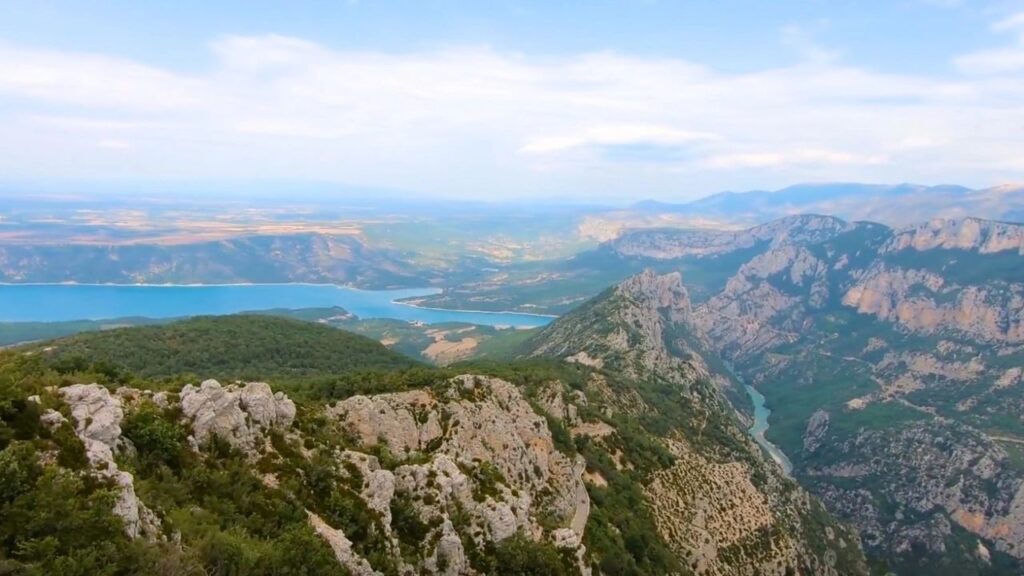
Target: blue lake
column 56, row 302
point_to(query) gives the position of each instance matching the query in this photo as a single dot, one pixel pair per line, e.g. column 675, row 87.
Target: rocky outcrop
column 406, row 421
column 973, row 234
column 627, row 331
column 673, row 244
column 763, row 305
column 923, row 302
column 927, row 466
column 97, row 416
column 341, row 546
column 239, row 415
column 486, row 452
column 817, row 427
column 553, row 400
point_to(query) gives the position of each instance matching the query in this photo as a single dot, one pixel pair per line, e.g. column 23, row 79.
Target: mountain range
column 894, row 205
column 892, row 360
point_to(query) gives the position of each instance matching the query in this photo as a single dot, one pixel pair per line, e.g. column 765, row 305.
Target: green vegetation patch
column 229, row 347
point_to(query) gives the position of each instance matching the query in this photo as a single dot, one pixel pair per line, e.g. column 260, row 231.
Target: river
column 760, row 426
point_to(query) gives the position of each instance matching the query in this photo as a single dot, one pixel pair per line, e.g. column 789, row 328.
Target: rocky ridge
column 672, row 244
column 475, row 464
column 721, row 506
column 919, row 325
column 973, row 234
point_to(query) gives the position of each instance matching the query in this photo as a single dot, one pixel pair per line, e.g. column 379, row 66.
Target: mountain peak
column 627, row 327
column 662, row 292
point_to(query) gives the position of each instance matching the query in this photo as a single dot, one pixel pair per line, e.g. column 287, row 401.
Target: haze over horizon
column 614, row 102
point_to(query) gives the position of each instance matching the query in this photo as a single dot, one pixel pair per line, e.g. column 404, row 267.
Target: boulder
column 239, row 415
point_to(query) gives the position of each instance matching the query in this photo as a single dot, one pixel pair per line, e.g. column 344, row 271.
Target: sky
column 569, row 100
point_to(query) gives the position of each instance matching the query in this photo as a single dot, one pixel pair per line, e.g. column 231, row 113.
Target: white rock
column 97, row 415
column 238, row 415
column 52, row 419
column 341, row 546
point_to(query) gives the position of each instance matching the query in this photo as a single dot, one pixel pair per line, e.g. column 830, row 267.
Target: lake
column 60, row 302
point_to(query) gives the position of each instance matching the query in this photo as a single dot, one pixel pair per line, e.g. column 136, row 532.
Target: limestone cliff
column 717, row 501
column 672, row 244
column 973, row 234
column 893, row 354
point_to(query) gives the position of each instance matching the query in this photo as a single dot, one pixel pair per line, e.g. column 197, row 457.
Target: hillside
column 665, row 423
column 227, row 347
column 891, row 361
column 308, row 257
column 529, row 467
column 870, row 343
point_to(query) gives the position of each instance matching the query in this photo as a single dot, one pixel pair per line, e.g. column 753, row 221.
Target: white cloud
column 113, row 144
column 618, row 135
column 798, row 38
column 93, row 80
column 999, row 60
column 472, row 120
column 777, row 159
column 1012, row 22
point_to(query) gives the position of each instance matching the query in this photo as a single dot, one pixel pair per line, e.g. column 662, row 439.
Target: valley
column 877, row 367
column 521, row 288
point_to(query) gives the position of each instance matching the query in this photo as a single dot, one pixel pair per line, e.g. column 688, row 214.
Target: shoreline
column 219, row 285
column 410, row 293
column 533, row 314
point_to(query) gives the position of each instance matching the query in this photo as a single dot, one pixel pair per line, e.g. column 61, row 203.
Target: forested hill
column 226, row 347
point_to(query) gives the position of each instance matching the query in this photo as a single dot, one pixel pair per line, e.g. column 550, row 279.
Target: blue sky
column 575, row 100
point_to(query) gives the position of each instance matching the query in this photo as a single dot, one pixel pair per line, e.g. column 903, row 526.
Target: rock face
column 717, row 504
column 910, row 340
column 237, row 414
column 408, row 421
column 672, row 244
column 972, row 234
column 763, row 305
column 97, row 415
column 926, row 467
column 627, row 331
column 484, row 451
column 923, row 302
column 341, row 546
column 479, row 420
column 817, row 427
